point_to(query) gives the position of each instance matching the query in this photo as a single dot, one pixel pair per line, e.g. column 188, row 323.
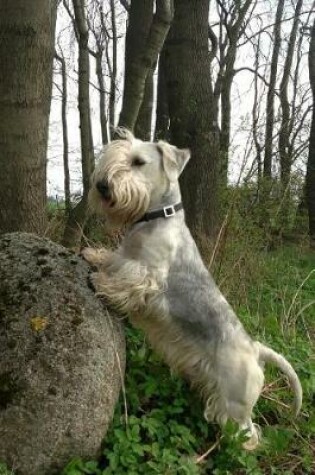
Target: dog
column 157, row 278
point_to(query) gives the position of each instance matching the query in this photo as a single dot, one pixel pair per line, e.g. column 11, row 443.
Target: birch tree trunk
column 26, row 57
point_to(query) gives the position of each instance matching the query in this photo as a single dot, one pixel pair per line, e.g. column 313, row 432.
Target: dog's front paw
column 97, row 281
column 95, row 257
column 90, row 255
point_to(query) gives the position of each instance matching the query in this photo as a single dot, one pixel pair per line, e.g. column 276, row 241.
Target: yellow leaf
column 39, row 323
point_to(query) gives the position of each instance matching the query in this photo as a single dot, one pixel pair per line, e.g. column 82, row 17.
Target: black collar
column 166, row 212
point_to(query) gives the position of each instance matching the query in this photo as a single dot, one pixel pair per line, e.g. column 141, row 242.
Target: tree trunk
column 284, row 132
column 141, row 12
column 144, row 121
column 225, row 134
column 310, row 175
column 234, row 29
column 271, row 91
column 77, row 217
column 192, row 115
column 162, row 110
column 102, row 92
column 255, row 119
column 141, row 56
column 113, row 76
column 99, row 31
column 26, row 57
column 64, row 99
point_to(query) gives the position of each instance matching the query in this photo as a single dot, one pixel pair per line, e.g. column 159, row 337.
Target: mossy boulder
column 61, row 357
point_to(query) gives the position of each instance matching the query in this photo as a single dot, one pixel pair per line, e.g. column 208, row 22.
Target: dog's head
column 132, row 177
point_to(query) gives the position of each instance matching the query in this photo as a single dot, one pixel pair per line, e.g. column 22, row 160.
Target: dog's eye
column 138, row 162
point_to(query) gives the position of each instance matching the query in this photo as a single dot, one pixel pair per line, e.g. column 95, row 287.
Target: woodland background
column 235, row 82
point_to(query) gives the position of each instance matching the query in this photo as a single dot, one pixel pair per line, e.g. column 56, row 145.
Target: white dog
column 158, row 278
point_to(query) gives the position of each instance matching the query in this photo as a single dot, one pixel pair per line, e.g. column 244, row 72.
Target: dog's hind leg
column 240, row 383
column 253, row 433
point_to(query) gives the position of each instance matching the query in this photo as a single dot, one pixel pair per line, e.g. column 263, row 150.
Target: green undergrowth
column 158, row 427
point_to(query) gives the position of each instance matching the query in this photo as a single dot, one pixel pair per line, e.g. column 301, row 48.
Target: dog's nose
column 103, row 189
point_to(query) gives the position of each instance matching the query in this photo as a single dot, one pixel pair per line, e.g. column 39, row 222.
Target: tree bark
column 255, row 119
column 144, row 121
column 162, row 109
column 143, row 10
column 284, row 132
column 271, row 91
column 102, row 93
column 64, row 99
column 76, row 220
column 140, row 58
column 192, row 113
column 26, row 58
column 224, row 83
column 113, row 73
column 99, row 31
column 310, row 175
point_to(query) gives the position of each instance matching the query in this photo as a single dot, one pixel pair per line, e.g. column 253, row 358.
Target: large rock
column 61, row 357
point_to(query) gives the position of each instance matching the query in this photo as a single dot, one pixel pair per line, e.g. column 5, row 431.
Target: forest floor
column 158, row 427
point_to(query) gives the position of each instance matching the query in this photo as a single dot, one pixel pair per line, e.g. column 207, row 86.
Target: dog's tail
column 268, row 355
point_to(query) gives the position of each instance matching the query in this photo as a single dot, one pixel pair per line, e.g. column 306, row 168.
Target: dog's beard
column 129, row 201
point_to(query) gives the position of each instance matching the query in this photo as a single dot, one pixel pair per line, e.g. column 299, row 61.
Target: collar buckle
column 165, row 212
column 169, row 211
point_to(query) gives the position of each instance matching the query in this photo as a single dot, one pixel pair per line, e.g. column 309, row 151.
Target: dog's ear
column 174, row 159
